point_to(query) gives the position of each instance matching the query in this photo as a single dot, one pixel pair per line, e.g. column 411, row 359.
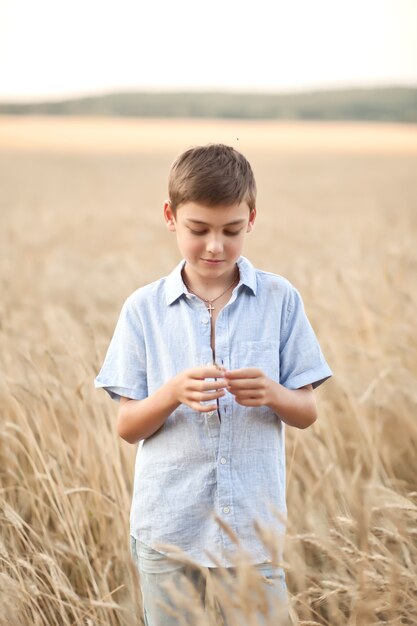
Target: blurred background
column 279, row 60
column 96, row 101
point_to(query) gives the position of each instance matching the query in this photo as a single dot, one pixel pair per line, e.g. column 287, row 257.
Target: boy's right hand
column 190, row 387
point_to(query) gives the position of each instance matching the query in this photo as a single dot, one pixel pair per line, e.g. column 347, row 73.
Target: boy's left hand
column 250, row 386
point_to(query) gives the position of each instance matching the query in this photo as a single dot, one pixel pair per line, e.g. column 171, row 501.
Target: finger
column 206, row 408
column 202, row 408
column 206, row 397
column 220, row 383
column 209, row 371
column 249, row 402
column 243, row 372
column 200, row 386
column 246, row 394
column 244, row 383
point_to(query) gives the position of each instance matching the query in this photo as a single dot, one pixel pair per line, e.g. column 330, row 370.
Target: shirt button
column 223, row 461
column 211, row 413
column 226, row 509
column 205, row 320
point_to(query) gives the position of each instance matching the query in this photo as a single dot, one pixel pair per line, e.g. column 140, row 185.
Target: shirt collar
column 174, row 284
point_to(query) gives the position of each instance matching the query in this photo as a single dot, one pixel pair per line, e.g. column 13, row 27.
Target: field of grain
column 81, row 228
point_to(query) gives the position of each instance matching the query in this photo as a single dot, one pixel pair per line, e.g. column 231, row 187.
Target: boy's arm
column 296, row 407
column 251, row 387
column 139, row 419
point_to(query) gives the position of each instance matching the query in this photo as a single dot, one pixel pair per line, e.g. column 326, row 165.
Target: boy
column 209, row 363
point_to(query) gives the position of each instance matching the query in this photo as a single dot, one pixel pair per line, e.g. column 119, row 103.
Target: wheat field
column 81, row 228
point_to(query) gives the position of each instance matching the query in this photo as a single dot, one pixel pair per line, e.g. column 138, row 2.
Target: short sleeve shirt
column 228, row 463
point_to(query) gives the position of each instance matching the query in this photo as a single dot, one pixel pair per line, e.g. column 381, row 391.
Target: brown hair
column 214, row 175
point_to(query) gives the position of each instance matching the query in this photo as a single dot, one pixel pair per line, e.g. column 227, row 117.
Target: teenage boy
column 209, row 364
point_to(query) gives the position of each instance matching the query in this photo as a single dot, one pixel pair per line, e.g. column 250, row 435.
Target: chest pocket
column 261, row 354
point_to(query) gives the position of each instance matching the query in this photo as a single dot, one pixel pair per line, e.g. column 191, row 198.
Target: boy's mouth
column 213, row 261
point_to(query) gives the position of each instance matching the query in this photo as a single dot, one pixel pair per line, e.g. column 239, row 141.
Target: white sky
column 53, row 48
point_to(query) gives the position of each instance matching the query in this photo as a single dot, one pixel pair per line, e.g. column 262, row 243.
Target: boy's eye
column 229, row 233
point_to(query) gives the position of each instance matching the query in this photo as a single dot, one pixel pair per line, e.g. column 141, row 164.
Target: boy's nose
column 214, row 246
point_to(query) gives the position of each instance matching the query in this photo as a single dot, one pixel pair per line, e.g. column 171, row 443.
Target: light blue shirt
column 230, row 462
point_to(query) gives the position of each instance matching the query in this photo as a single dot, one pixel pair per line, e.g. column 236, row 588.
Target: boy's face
column 210, row 238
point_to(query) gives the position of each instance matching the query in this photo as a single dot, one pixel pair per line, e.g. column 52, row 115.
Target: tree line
column 390, row 104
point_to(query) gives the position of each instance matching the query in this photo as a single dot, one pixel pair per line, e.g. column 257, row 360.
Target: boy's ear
column 252, row 217
column 169, row 217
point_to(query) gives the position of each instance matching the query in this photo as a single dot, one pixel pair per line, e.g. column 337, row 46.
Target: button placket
column 224, row 482
column 223, row 474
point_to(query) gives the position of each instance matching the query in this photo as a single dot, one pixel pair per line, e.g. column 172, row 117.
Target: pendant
column 210, row 308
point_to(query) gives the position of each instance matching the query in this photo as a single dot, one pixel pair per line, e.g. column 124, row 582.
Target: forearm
column 139, row 419
column 296, row 407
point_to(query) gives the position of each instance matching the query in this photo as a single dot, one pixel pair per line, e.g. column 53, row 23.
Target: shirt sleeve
column 301, row 359
column 124, row 369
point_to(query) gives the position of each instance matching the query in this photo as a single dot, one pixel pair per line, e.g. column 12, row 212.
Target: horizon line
column 80, row 95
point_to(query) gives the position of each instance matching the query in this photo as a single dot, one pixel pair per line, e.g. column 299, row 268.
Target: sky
column 51, row 49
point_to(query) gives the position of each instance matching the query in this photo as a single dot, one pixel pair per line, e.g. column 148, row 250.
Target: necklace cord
column 213, row 299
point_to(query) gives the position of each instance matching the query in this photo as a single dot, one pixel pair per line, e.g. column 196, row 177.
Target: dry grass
column 81, row 228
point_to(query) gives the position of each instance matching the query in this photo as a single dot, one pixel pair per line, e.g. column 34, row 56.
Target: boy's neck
column 207, row 287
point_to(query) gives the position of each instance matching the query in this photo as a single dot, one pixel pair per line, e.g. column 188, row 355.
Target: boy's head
column 211, row 175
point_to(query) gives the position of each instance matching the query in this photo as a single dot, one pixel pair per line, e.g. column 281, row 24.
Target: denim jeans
column 157, row 570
